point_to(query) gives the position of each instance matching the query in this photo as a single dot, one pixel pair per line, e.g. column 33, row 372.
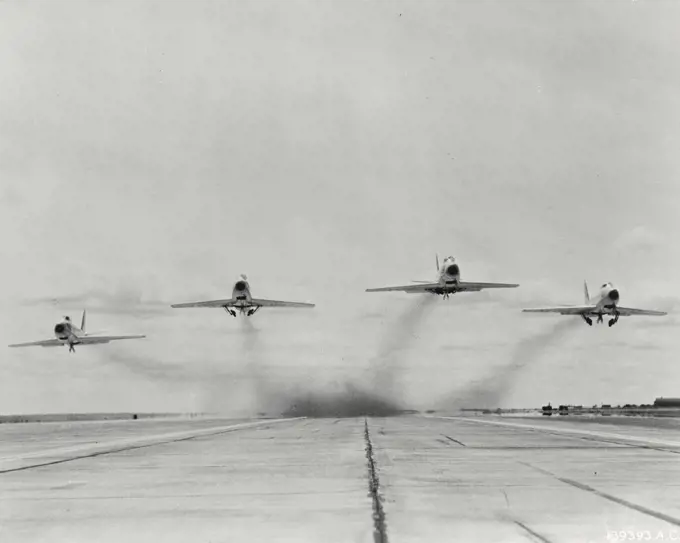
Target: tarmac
column 397, row 479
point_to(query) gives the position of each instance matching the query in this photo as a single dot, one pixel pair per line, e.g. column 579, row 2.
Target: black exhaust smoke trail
column 378, row 395
column 216, row 386
column 268, row 396
column 253, row 351
column 350, row 402
column 228, row 393
column 224, row 392
column 489, row 392
column 388, row 362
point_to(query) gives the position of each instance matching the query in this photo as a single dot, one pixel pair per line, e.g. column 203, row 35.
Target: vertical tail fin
column 436, row 256
column 585, row 292
column 82, row 322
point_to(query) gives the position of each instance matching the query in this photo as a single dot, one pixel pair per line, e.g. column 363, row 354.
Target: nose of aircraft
column 59, row 328
column 240, row 285
column 453, row 269
column 614, row 295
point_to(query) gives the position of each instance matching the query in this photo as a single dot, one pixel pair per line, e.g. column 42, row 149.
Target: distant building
column 667, row 402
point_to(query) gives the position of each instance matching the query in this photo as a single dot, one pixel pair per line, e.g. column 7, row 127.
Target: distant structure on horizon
column 667, row 402
column 608, row 409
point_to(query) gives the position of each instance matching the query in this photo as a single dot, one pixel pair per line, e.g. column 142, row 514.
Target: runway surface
column 397, row 479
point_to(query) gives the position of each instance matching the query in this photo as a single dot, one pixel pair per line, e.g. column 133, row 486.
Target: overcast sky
column 151, row 151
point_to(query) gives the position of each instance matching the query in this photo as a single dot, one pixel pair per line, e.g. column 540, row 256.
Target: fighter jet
column 448, row 282
column 242, row 300
column 69, row 334
column 606, row 303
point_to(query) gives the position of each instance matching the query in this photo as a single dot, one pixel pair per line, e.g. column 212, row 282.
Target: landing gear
column 447, row 293
column 587, row 319
column 243, row 310
column 600, row 318
column 71, row 348
column 613, row 321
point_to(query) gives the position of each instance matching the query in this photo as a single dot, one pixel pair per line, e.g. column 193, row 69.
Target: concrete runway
column 398, row 479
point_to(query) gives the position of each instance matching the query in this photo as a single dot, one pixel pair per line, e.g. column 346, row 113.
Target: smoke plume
column 490, row 391
column 388, row 364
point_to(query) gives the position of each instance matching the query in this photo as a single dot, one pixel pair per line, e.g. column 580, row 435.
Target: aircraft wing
column 421, row 287
column 564, row 310
column 210, row 303
column 464, row 286
column 95, row 340
column 629, row 311
column 275, row 303
column 43, row 343
column 461, row 286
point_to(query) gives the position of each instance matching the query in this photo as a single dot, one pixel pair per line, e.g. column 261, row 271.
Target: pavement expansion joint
column 611, row 498
column 114, row 448
column 533, row 533
column 455, row 440
column 379, row 524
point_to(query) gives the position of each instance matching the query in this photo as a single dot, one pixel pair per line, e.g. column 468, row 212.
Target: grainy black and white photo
column 339, row 271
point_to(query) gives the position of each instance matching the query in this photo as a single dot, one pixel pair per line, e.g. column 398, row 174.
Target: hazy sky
column 151, row 151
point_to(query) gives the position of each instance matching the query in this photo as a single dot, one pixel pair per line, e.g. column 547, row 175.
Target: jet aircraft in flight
column 448, row 282
column 605, row 303
column 67, row 333
column 242, row 300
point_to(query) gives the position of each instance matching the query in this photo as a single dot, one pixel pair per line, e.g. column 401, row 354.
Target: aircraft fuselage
column 68, row 333
column 449, row 277
column 605, row 304
column 243, row 301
